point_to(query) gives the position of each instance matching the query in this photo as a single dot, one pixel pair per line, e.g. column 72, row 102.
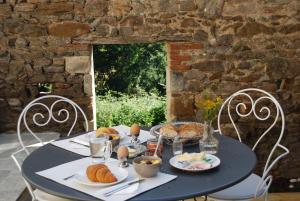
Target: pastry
column 92, row 170
column 190, row 130
column 100, row 173
column 168, row 131
column 106, row 131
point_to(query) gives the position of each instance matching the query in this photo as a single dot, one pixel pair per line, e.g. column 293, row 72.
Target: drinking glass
column 177, row 146
column 108, row 151
column 97, row 147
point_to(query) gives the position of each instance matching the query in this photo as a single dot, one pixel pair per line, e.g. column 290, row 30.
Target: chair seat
column 241, row 191
column 43, row 196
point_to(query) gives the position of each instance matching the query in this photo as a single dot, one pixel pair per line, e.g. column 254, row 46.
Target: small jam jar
column 151, row 146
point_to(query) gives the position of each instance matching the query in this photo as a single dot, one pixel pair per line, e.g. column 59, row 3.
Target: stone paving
column 11, row 182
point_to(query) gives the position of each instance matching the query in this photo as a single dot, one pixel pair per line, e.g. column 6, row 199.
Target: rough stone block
column 126, row 31
column 68, row 29
column 54, row 69
column 182, row 105
column 252, row 28
column 200, row 35
column 176, row 81
column 55, row 77
column 12, row 25
column 42, row 62
column 16, row 66
column 78, row 64
column 194, row 74
column 187, row 5
column 88, row 84
column 54, row 8
column 96, row 8
column 132, row 21
column 209, row 65
column 33, row 30
column 14, row 102
column 21, row 43
column 190, row 22
column 213, row 8
column 58, row 61
column 194, row 85
column 5, row 10
column 25, row 7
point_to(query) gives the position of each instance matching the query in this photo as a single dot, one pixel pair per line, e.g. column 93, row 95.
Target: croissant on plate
column 100, row 173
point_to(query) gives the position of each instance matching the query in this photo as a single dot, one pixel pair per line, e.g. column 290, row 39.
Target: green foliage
column 130, row 68
column 115, row 109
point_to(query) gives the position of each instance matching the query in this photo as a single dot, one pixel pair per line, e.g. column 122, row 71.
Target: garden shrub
column 147, row 110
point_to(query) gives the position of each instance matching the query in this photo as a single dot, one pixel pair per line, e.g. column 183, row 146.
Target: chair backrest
column 266, row 111
column 49, row 116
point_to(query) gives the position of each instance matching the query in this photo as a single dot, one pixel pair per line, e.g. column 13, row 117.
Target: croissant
column 100, row 173
column 92, row 170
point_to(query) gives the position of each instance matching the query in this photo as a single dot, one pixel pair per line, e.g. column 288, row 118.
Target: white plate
column 120, row 173
column 213, row 161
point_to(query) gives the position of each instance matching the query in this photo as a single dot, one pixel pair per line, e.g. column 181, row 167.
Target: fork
column 68, row 177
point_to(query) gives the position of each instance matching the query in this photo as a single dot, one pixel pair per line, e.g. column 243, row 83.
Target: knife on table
column 79, row 142
column 121, row 187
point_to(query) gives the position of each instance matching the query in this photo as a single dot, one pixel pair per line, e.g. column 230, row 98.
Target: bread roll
column 105, row 131
column 190, row 130
column 168, row 130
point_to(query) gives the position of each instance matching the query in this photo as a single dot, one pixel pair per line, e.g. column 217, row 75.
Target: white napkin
column 62, row 171
column 67, row 144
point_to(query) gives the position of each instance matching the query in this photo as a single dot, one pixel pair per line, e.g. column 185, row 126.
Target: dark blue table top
column 237, row 162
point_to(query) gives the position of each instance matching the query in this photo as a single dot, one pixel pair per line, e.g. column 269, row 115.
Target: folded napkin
column 60, row 172
column 74, row 144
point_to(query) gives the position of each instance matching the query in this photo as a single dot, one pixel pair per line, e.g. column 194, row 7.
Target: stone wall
column 225, row 44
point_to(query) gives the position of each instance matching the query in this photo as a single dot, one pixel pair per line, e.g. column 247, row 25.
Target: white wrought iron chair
column 254, row 186
column 19, row 155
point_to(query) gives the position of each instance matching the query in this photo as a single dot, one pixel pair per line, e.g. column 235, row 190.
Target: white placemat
column 85, row 151
column 62, row 171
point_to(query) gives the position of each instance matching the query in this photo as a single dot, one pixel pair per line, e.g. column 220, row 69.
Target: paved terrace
column 11, row 183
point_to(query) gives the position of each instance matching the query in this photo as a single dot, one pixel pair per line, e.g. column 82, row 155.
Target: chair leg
column 266, row 196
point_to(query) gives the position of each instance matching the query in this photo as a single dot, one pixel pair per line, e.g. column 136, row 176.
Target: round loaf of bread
column 190, row 130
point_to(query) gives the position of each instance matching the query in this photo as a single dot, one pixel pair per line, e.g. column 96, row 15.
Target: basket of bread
column 112, row 134
column 189, row 132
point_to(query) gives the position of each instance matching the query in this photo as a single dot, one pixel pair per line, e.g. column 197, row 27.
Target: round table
column 237, row 162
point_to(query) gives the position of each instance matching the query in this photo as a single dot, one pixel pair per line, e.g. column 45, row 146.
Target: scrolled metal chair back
column 50, row 116
column 266, row 111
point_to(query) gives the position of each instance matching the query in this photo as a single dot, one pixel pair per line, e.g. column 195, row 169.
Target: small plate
column 120, row 173
column 210, row 161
